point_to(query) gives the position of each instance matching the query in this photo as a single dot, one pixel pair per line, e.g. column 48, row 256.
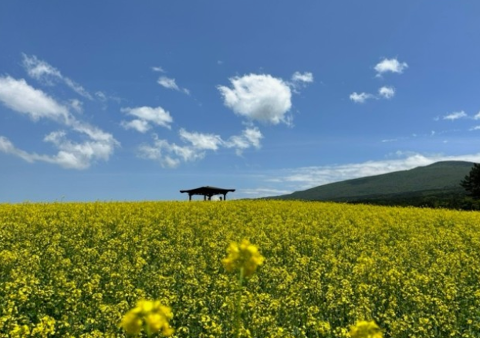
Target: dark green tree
column 471, row 182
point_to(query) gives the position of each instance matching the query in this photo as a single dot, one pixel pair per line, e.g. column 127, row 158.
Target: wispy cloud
column 390, row 65
column 299, row 81
column 307, row 177
column 22, row 98
column 170, row 83
column 306, row 77
column 455, row 116
column 201, row 141
column 158, row 69
column 361, row 97
column 250, row 137
column 258, row 97
column 169, row 155
column 195, row 145
column 263, row 192
column 42, row 71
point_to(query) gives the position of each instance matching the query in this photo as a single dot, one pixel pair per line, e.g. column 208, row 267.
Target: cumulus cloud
column 390, row 65
column 170, row 83
column 387, row 92
column 260, row 98
column 477, row 116
column 455, row 116
column 360, row 98
column 20, row 97
column 145, row 117
column 42, row 71
column 79, row 155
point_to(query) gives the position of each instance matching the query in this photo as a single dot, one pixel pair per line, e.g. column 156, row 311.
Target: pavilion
column 207, row 192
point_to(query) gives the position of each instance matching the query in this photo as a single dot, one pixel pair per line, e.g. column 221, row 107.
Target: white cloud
column 71, row 155
column 170, row 155
column 306, row 77
column 201, row 141
column 261, row 98
column 263, row 192
column 101, row 96
column 299, row 81
column 22, row 98
column 455, row 116
column 360, row 98
column 390, row 65
column 76, row 105
column 253, row 135
column 387, row 92
column 158, row 69
column 7, row 147
column 308, row 177
column 475, row 128
column 477, row 116
column 42, row 71
column 80, row 155
column 19, row 96
column 250, row 137
column 170, row 83
column 145, row 117
column 38, row 69
column 141, row 126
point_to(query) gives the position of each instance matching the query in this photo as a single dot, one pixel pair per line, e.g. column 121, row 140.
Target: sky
column 136, row 100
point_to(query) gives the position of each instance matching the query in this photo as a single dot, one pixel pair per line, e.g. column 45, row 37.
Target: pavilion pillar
column 225, row 196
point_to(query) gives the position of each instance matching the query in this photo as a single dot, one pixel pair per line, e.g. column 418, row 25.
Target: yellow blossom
column 244, row 256
column 131, row 323
column 151, row 314
column 364, row 329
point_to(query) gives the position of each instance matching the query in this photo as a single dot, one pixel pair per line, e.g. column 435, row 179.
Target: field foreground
column 74, row 269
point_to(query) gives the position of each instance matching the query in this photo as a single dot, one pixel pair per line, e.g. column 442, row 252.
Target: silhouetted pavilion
column 207, row 192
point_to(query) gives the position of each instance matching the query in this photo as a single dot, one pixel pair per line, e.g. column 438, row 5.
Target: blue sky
column 135, row 100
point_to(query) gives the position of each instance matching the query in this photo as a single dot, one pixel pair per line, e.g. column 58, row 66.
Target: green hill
column 438, row 183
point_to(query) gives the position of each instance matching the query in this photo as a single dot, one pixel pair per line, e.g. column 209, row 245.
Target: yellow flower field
column 75, row 269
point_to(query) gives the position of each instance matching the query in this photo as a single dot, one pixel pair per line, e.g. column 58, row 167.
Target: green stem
column 238, row 304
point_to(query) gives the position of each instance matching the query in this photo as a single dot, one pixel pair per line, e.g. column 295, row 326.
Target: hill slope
column 441, row 179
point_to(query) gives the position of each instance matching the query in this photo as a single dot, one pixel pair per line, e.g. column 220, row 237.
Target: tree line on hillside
column 468, row 199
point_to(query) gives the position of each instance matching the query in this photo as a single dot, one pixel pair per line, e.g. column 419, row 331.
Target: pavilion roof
column 207, row 190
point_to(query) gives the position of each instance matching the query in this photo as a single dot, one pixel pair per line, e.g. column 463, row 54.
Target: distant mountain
column 440, row 180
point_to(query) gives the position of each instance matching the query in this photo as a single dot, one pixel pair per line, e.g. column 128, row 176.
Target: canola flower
column 151, row 315
column 73, row 269
column 243, row 257
column 365, row 329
